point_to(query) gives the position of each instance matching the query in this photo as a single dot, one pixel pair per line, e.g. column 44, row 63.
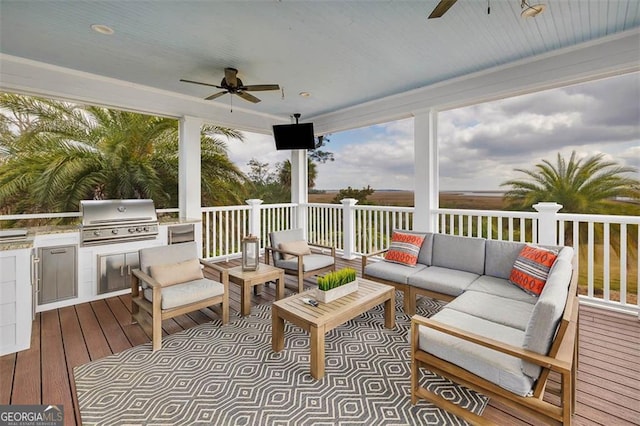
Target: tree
column 318, row 155
column 58, row 153
column 264, row 184
column 580, row 185
column 359, row 194
column 283, row 171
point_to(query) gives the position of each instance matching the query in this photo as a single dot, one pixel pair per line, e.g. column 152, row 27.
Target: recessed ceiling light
column 304, row 94
column 102, row 29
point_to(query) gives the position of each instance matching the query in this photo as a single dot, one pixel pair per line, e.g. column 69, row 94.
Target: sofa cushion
column 442, row 280
column 501, row 310
column 391, row 271
column 186, row 293
column 501, row 287
column 174, row 273
column 297, row 247
column 501, row 369
column 531, row 268
column 547, row 313
column 500, row 257
column 310, row 262
column 404, row 248
column 461, row 253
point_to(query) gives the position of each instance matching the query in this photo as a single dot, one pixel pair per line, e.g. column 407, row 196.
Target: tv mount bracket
column 297, row 116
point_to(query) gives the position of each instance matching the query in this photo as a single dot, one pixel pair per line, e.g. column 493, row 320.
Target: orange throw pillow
column 404, row 248
column 531, row 269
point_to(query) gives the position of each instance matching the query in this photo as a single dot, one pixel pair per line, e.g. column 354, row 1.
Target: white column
column 254, row 218
column 349, row 228
column 299, row 189
column 547, row 223
column 426, row 190
column 189, row 168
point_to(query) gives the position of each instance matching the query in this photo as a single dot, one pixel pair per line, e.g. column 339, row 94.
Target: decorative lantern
column 250, row 253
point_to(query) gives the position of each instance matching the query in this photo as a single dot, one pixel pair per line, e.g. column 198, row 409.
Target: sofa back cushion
column 500, row 257
column 462, row 253
column 547, row 313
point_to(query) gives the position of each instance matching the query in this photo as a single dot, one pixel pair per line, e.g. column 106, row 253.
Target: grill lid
column 106, row 212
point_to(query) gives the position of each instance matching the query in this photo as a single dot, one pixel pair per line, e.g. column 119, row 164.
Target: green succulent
column 336, row 279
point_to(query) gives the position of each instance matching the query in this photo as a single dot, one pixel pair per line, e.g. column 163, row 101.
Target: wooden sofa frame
column 562, row 358
column 140, row 304
column 301, row 274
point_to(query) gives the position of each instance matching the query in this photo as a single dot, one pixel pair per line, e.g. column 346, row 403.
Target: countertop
column 32, row 232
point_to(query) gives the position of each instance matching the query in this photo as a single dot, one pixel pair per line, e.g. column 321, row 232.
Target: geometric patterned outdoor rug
column 213, row 375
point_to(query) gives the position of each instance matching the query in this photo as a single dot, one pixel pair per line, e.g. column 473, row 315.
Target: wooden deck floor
column 608, row 379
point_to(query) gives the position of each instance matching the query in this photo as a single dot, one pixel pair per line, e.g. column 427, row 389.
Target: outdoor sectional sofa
column 492, row 336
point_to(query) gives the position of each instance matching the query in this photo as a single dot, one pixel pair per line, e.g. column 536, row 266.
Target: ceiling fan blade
column 216, row 95
column 199, row 82
column 231, row 77
column 248, row 97
column 260, row 87
column 441, row 8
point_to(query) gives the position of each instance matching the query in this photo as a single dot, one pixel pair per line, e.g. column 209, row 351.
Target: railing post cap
column 349, row 201
column 254, row 201
column 548, row 207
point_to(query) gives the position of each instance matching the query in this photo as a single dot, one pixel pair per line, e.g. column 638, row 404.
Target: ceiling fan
column 528, row 10
column 232, row 84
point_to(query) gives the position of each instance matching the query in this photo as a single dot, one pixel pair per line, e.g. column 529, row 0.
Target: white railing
column 225, row 227
column 607, row 246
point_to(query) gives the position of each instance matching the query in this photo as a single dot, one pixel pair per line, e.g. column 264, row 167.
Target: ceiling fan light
column 529, row 11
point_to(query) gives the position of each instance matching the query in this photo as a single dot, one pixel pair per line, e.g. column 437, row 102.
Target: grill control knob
column 138, row 229
column 114, row 231
column 96, row 233
column 132, row 230
column 145, row 229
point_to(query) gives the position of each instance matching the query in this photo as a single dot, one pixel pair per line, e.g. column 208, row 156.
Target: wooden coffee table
column 248, row 279
column 319, row 320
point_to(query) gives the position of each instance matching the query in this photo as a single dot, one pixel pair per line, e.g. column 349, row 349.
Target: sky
column 481, row 145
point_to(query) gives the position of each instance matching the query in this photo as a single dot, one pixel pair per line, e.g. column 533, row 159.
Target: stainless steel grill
column 117, row 221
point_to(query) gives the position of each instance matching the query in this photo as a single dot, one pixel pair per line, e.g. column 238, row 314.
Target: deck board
column 608, row 377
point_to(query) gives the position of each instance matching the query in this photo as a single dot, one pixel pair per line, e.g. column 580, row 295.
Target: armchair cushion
column 285, row 236
column 442, row 280
column 310, row 262
column 297, row 247
column 186, row 293
column 175, row 273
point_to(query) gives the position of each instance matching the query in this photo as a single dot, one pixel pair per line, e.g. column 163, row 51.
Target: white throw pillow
column 296, row 247
column 174, row 273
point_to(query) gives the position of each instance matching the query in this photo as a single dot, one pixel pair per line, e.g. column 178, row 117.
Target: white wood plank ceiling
column 343, row 53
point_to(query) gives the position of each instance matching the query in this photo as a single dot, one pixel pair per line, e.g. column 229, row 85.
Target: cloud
column 481, row 145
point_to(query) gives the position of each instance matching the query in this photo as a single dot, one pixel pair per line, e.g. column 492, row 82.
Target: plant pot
column 336, row 293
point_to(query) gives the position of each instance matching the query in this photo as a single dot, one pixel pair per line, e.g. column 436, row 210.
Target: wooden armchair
column 172, row 281
column 292, row 253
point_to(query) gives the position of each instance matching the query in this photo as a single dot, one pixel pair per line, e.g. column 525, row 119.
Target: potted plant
column 336, row 284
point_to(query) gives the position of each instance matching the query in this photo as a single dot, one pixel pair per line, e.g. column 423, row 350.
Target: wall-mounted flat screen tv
column 294, row 136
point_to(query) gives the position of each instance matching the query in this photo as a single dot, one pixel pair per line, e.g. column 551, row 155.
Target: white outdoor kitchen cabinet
column 16, row 308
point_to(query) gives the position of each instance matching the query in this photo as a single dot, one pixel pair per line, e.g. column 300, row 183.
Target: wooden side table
column 317, row 321
column 248, row 279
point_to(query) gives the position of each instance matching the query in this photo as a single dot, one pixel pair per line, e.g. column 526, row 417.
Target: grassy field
column 462, row 200
column 448, row 200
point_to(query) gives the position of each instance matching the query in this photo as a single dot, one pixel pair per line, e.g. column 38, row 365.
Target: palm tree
column 581, row 186
column 54, row 154
column 284, row 173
